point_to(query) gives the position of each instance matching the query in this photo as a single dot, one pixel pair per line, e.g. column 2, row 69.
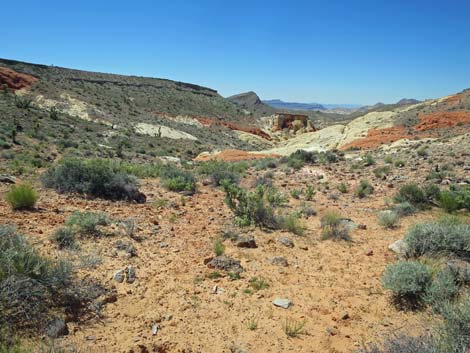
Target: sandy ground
column 325, row 279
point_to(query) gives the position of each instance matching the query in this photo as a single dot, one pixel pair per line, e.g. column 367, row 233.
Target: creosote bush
column 388, row 218
column 92, row 178
column 22, row 197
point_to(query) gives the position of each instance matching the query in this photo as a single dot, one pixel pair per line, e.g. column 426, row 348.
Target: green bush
column 382, row 172
column 93, row 178
column 407, row 279
column 456, row 198
column 65, row 237
column 253, row 208
column 442, row 289
column 364, row 189
column 413, row 194
column 22, row 197
column 404, row 209
column 343, row 188
column 369, row 160
column 176, row 179
column 333, row 227
column 218, row 247
column 388, row 218
column 266, row 163
column 455, row 329
column 295, row 163
column 447, row 237
column 86, row 223
column 220, row 171
column 292, row 224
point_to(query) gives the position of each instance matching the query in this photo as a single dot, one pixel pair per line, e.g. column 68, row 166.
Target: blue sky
column 357, row 51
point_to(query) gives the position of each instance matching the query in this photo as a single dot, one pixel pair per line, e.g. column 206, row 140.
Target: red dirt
column 378, row 137
column 15, row 80
column 454, row 98
column 234, row 156
column 441, row 120
column 252, row 130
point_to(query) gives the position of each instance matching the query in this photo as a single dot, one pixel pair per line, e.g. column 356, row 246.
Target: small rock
column 370, row 253
column 344, row 316
column 279, row 261
column 130, row 274
column 399, row 247
column 119, row 276
column 246, row 242
column 282, row 303
column 286, row 242
column 155, row 329
column 362, row 226
column 225, row 263
column 57, row 328
column 7, row 179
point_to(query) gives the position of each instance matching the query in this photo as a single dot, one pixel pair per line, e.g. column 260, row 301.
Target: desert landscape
column 147, row 215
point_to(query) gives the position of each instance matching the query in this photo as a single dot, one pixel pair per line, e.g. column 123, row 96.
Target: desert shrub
column 404, row 209
column 442, row 237
column 258, row 283
column 413, row 194
column 263, row 181
column 65, row 237
column 406, row 344
column 292, row 224
column 431, row 191
column 333, row 227
column 218, row 247
column 388, row 218
column 399, row 163
column 253, row 208
column 388, row 159
column 304, row 156
column 343, row 188
column 364, row 189
column 456, row 198
column 266, row 163
column 295, row 193
column 422, row 151
column 86, row 223
column 176, row 179
column 448, row 201
column 455, row 329
column 219, row 171
column 93, row 178
column 369, row 160
column 274, row 197
column 382, row 172
column 29, row 284
column 295, row 163
column 309, row 193
column 407, row 280
column 443, row 289
column 22, row 197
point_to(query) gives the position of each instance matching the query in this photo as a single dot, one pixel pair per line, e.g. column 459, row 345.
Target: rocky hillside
column 250, row 102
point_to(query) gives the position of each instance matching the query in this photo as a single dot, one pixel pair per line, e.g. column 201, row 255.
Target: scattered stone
column 119, row 276
column 246, row 242
column 155, row 329
column 225, row 263
column 362, row 226
column 282, row 303
column 279, row 261
column 7, row 179
column 57, row 328
column 236, row 349
column 370, row 253
column 349, row 224
column 345, row 316
column 286, row 242
column 128, row 248
column 130, row 274
column 399, row 247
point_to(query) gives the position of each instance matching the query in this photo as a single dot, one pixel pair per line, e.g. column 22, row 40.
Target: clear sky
column 331, row 51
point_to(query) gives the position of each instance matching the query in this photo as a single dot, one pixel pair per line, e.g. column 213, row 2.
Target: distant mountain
column 252, row 103
column 408, row 101
column 279, row 104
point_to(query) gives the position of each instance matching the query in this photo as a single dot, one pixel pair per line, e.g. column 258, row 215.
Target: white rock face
column 165, row 131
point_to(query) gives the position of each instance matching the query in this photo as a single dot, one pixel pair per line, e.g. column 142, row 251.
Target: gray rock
column 461, row 269
column 236, row 349
column 399, row 247
column 282, row 303
column 225, row 263
column 286, row 242
column 246, row 242
column 7, row 179
column 279, row 261
column 130, row 274
column 57, row 328
column 119, row 276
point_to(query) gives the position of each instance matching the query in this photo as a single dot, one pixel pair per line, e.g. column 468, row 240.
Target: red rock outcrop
column 15, row 80
column 440, row 120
